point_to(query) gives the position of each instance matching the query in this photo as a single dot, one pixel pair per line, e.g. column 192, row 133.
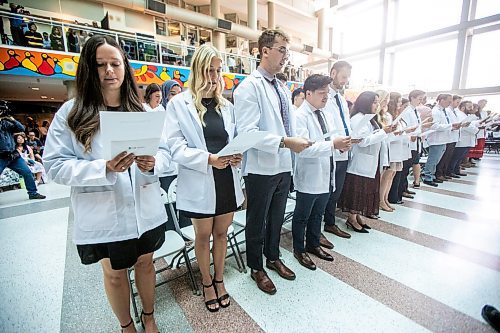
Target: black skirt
column 225, row 200
column 123, row 254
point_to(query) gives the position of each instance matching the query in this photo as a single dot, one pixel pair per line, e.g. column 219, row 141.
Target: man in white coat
column 314, row 170
column 261, row 104
column 339, row 111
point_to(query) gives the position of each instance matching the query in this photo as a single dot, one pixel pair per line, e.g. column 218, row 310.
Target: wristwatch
column 282, row 142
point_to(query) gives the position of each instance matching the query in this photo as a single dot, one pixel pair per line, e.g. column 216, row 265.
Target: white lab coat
column 333, row 109
column 195, row 181
column 365, row 155
column 411, row 119
column 108, row 206
column 313, row 173
column 452, row 115
column 172, row 169
column 256, row 108
column 467, row 134
column 442, row 128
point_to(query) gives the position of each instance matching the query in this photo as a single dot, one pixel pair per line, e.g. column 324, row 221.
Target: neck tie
column 322, row 123
column 416, row 115
column 337, row 99
column 283, row 107
column 446, row 115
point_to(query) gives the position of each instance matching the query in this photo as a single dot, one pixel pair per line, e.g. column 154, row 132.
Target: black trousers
column 340, row 172
column 266, row 203
column 394, row 196
column 444, row 163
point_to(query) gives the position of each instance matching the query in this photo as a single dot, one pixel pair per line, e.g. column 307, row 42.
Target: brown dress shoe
column 333, row 229
column 263, row 282
column 304, row 260
column 320, row 253
column 325, row 242
column 283, row 271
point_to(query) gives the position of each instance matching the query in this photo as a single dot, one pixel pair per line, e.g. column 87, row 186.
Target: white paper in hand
column 243, row 142
column 133, row 132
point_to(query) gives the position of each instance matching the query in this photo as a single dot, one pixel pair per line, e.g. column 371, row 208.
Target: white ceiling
column 19, row 88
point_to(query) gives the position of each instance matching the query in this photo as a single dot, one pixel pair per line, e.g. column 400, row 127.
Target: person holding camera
column 9, row 156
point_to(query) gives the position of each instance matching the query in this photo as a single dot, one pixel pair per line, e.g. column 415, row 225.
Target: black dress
column 123, row 254
column 216, row 138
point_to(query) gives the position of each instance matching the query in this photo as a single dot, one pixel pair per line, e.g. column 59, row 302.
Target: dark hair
column 268, row 37
column 24, row 144
column 415, row 93
column 296, row 93
column 349, row 104
column 462, row 104
column 152, row 88
column 393, row 102
column 281, row 76
column 31, row 24
column 455, row 97
column 44, row 123
column 83, row 119
column 363, row 104
column 338, row 65
column 404, row 100
column 442, row 96
column 315, row 82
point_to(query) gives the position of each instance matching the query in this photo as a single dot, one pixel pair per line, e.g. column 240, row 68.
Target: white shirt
column 108, row 206
column 332, row 108
column 411, row 118
column 148, row 107
column 442, row 127
column 467, row 134
column 453, row 116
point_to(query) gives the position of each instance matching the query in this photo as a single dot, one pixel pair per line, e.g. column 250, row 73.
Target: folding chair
column 174, row 245
column 188, row 233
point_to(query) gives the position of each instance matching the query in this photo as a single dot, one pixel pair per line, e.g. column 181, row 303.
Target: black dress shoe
column 448, row 177
column 492, row 316
column 461, row 174
column 399, row 202
column 407, row 195
column 430, row 183
column 362, row 230
column 410, row 192
column 320, row 253
column 439, row 181
column 325, row 242
column 304, row 260
column 454, row 175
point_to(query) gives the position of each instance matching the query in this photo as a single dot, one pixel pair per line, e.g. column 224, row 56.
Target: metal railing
column 72, row 36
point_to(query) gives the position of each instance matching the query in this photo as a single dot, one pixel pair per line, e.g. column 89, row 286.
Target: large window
column 487, row 8
column 416, row 17
column 428, row 67
column 364, row 72
column 484, row 69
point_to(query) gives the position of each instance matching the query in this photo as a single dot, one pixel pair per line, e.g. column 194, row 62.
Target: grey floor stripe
column 33, row 207
column 85, row 307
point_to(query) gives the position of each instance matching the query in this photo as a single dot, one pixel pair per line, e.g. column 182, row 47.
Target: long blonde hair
column 382, row 112
column 199, row 79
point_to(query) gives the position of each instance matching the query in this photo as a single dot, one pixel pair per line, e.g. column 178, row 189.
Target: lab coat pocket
column 365, row 163
column 190, row 185
column 95, row 211
column 267, row 161
column 150, row 199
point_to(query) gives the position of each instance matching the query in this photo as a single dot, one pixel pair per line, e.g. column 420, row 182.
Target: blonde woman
column 200, row 124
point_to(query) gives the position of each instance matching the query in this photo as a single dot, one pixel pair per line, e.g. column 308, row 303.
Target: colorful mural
column 63, row 66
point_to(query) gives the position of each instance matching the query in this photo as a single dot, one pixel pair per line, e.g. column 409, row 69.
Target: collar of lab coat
column 309, row 108
column 271, row 93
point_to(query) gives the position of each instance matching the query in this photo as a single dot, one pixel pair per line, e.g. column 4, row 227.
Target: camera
column 4, row 109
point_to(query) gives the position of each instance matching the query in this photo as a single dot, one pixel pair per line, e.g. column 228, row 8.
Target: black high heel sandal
column 223, row 297
column 145, row 314
column 125, row 326
column 211, row 301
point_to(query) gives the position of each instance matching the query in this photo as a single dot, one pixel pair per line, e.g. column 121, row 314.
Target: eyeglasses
column 283, row 50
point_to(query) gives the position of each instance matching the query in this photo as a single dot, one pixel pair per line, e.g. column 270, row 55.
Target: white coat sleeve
column 189, row 157
column 319, row 148
column 247, row 113
column 62, row 164
column 439, row 126
column 163, row 157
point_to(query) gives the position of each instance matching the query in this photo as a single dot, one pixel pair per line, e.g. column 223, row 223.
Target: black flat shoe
column 492, row 316
column 416, row 185
column 361, row 231
column 210, row 301
column 223, row 297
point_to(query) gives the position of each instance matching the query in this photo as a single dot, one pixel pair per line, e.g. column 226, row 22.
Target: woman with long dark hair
column 118, row 213
column 360, row 195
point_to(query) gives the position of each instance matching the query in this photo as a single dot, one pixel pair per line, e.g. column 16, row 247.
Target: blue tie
column 283, row 107
column 337, row 99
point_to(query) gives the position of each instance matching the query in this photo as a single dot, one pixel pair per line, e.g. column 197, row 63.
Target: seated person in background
column 27, row 154
column 32, row 37
column 35, row 144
